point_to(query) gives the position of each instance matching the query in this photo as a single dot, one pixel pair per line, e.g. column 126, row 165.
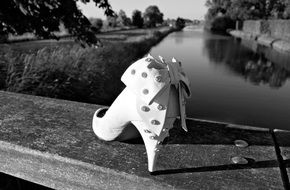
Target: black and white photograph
column 145, row 94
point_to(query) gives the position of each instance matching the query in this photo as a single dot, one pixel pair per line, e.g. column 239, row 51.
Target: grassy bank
column 67, row 71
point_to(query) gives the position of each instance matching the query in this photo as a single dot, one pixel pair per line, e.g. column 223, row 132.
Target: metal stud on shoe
column 165, row 129
column 145, row 91
column 155, row 122
column 160, row 107
column 158, row 78
column 148, row 59
column 147, row 131
column 144, row 75
column 145, row 109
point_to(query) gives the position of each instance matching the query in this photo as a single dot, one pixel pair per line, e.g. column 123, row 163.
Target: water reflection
column 255, row 67
column 265, row 72
column 232, row 81
column 178, row 40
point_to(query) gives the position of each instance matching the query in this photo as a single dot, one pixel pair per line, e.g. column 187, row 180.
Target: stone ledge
column 282, row 45
column 50, row 142
column 266, row 40
column 58, row 172
column 243, row 35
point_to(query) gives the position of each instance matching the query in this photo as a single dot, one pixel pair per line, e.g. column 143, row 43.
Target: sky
column 190, row 9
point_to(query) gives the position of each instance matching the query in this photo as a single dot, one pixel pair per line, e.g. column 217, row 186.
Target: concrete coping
column 266, row 40
column 51, row 142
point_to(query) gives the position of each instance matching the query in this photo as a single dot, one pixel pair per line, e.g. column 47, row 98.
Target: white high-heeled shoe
column 153, row 98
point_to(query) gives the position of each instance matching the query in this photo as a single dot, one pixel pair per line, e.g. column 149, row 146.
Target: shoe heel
column 152, row 141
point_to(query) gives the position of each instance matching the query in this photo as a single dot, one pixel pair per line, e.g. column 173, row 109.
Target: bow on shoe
column 178, row 79
column 181, row 83
column 160, row 87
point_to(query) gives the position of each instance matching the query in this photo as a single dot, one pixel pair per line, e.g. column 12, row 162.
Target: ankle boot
column 152, row 100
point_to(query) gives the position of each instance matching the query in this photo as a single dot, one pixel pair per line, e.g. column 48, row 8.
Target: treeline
column 223, row 14
column 26, row 20
column 43, row 18
column 152, row 17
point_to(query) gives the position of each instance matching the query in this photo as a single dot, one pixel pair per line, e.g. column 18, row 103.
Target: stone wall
column 279, row 29
column 270, row 33
column 252, row 26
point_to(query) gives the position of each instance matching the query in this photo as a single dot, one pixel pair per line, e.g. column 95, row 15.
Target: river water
column 232, row 81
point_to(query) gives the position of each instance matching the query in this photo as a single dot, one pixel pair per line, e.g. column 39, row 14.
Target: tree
column 216, row 8
column 217, row 19
column 278, row 9
column 43, row 18
column 128, row 21
column 122, row 19
column 222, row 24
column 256, row 9
column 112, row 21
column 219, row 5
column 153, row 16
column 137, row 19
column 97, row 24
column 180, row 23
column 222, row 13
column 247, row 9
column 287, row 9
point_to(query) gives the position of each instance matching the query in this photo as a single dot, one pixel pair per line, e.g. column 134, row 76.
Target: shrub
column 72, row 72
column 221, row 24
column 97, row 24
column 180, row 23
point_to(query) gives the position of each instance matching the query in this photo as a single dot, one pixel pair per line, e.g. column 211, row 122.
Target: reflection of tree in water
column 264, row 71
column 178, row 39
column 242, row 61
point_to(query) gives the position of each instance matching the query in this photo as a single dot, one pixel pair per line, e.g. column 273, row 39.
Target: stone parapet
column 51, row 142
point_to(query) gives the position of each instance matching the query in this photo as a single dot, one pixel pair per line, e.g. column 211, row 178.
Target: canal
column 232, row 81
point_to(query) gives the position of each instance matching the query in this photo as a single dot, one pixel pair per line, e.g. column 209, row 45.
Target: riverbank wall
column 269, row 33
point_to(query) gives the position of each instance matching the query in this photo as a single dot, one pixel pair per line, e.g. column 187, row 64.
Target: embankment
column 68, row 71
column 270, row 33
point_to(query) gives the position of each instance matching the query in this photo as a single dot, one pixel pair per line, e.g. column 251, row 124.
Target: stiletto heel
column 153, row 98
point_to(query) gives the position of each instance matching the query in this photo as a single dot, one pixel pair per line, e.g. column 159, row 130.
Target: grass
column 67, row 71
